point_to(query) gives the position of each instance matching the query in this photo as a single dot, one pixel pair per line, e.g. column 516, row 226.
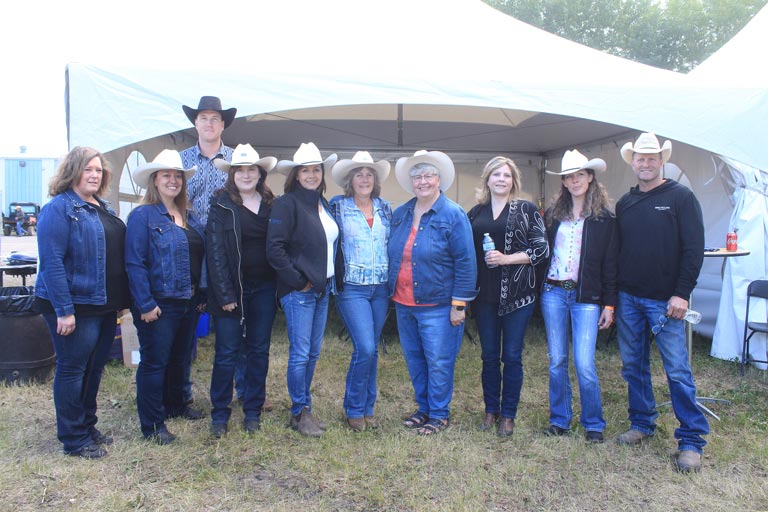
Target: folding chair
column 757, row 289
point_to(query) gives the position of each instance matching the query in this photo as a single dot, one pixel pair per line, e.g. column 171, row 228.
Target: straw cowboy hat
column 210, row 103
column 168, row 159
column 440, row 160
column 307, row 154
column 646, row 143
column 244, row 154
column 361, row 159
column 574, row 161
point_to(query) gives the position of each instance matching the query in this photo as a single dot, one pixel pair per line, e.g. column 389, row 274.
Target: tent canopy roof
column 457, row 76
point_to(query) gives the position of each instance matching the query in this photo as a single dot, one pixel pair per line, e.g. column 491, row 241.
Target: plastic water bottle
column 692, row 316
column 489, row 245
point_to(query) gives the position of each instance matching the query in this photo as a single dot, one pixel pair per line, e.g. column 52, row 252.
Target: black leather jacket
column 224, row 246
column 598, row 260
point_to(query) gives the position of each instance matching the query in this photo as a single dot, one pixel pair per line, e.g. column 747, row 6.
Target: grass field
column 390, row 468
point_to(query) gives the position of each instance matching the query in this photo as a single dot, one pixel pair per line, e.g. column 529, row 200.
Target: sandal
column 433, row 426
column 416, row 420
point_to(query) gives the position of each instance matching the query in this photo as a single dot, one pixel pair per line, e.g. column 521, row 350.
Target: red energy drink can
column 731, row 241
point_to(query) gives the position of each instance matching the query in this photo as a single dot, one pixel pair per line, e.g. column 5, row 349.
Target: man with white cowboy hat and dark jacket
column 661, row 250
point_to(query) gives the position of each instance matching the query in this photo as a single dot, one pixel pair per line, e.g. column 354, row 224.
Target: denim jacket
column 157, row 256
column 444, row 265
column 364, row 249
column 72, row 250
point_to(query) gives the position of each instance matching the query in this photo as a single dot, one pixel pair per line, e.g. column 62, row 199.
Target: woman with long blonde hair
column 506, row 277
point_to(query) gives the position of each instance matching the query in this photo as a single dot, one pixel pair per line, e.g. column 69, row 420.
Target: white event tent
column 456, row 76
column 734, row 63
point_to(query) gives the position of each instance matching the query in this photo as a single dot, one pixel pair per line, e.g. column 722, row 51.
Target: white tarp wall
column 750, row 219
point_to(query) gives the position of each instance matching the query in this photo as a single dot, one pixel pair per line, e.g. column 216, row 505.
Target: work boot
column 356, row 424
column 594, row 437
column 372, row 422
column 506, row 427
column 218, row 430
column 688, row 461
column 317, row 421
column 489, row 421
column 555, row 431
column 631, row 437
column 304, row 425
column 251, row 426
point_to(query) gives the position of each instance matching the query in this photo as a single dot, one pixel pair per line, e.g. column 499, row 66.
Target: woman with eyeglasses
column 432, row 274
column 579, row 294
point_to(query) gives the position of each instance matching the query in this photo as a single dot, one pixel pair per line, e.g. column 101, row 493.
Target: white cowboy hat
column 361, row 159
column 440, row 160
column 307, row 154
column 574, row 161
column 244, row 154
column 166, row 159
column 646, row 143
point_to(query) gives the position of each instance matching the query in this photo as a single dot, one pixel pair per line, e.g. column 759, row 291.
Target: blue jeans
column 80, row 360
column 305, row 316
column 259, row 309
column 20, row 228
column 635, row 318
column 430, row 346
column 501, row 340
column 363, row 308
column 241, row 361
column 165, row 346
column 558, row 306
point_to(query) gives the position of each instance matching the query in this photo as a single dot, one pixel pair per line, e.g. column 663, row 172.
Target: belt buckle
column 568, row 285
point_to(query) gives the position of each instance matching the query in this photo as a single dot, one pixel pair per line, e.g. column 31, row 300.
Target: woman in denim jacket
column 165, row 252
column 241, row 292
column 80, row 287
column 432, row 275
column 580, row 290
column 362, row 300
column 301, row 246
column 508, row 285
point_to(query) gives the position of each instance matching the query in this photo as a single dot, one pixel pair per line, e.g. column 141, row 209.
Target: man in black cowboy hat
column 210, row 120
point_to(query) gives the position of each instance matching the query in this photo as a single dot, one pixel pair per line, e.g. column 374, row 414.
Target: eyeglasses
column 656, row 329
column 424, row 177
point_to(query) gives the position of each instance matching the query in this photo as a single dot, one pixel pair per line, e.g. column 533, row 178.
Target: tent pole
column 542, row 167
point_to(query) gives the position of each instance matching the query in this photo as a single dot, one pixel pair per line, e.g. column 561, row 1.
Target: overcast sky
column 39, row 38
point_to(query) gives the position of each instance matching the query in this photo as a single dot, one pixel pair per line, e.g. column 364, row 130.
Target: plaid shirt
column 207, row 180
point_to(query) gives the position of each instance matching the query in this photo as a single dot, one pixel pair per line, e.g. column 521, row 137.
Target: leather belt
column 565, row 285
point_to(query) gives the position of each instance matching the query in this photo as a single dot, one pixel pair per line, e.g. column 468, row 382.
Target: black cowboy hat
column 210, row 103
